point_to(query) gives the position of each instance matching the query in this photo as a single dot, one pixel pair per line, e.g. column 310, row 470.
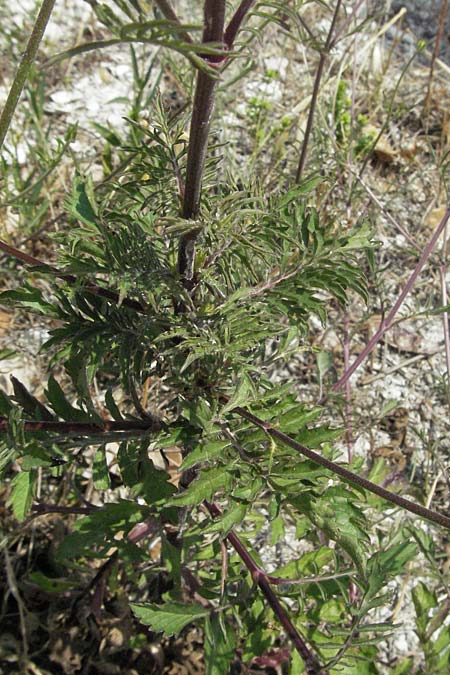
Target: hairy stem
column 214, row 19
column 339, row 470
column 24, row 67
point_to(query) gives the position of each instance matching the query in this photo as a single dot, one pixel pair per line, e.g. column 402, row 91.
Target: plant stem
column 316, row 88
column 214, row 19
column 384, row 210
column 437, row 43
column 24, row 67
column 348, row 397
column 167, row 10
column 86, row 428
column 445, row 315
column 43, row 509
column 236, row 21
column 386, row 323
column 339, row 470
column 70, row 278
column 261, row 579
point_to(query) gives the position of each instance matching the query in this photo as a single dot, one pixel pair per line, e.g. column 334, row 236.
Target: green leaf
column 169, row 618
column 324, row 362
column 424, row 600
column 61, row 405
column 243, row 395
column 6, row 353
column 204, row 487
column 29, row 297
column 199, row 413
column 333, row 610
column 171, row 556
column 81, row 204
column 219, row 645
column 112, row 406
column 405, row 667
column 22, row 494
column 207, row 452
column 35, row 456
column 308, row 185
column 228, row 519
column 5, row 404
column 30, row 403
column 313, row 438
column 309, row 564
column 100, row 473
column 49, row 584
column 154, row 484
column 94, row 534
column 336, row 515
column 393, row 560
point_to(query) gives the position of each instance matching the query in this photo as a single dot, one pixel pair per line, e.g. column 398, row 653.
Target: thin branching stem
column 316, row 88
column 167, row 10
column 339, row 470
column 445, row 315
column 444, row 9
column 24, row 67
column 384, row 210
column 86, row 428
column 348, row 397
column 312, row 665
column 70, row 278
column 387, row 322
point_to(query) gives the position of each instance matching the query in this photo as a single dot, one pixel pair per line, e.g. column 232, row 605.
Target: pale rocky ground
column 410, row 365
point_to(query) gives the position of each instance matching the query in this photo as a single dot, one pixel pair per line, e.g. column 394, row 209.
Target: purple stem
column 236, row 21
column 214, row 19
column 316, row 88
column 87, row 427
column 339, row 470
column 260, row 578
column 346, row 23
column 386, row 323
column 348, row 397
column 42, row 509
column 166, row 9
column 69, row 278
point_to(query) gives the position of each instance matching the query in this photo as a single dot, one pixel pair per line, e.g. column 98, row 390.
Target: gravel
column 422, row 18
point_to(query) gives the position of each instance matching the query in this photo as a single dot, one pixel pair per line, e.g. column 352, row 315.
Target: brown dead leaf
column 174, row 460
column 402, row 337
column 435, row 216
column 383, row 150
column 5, row 321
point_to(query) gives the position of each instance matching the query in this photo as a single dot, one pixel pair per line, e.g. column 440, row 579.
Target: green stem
column 24, row 67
